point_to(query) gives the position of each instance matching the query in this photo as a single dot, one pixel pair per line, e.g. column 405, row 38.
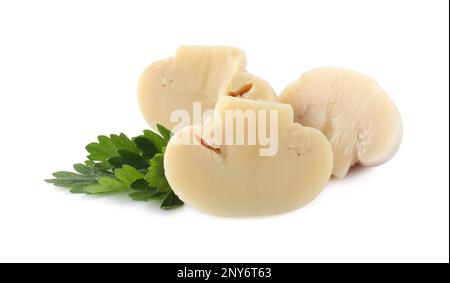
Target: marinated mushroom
column 196, row 74
column 357, row 116
column 236, row 180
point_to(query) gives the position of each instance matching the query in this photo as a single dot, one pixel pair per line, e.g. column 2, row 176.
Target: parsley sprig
column 117, row 163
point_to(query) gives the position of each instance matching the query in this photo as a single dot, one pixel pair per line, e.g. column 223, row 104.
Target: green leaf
column 117, row 163
column 123, row 142
column 141, row 196
column 86, row 176
column 90, row 163
column 105, row 185
column 98, row 189
column 146, row 146
column 141, row 185
column 82, row 169
column 128, row 174
column 159, row 196
column 77, row 190
column 155, row 176
column 111, row 182
column 66, row 174
column 156, row 139
column 171, row 201
column 94, row 170
column 70, row 179
column 166, row 133
column 107, row 150
column 133, row 159
column 102, row 150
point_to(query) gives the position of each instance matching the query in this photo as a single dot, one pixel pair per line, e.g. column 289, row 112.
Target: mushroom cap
column 235, row 180
column 357, row 116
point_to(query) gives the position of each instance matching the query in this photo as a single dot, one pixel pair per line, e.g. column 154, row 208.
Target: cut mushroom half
column 242, row 182
column 357, row 116
column 196, row 74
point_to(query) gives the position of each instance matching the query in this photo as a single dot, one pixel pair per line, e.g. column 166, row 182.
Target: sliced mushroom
column 235, row 180
column 357, row 116
column 195, row 74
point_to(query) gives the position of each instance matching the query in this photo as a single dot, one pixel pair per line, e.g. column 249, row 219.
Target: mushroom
column 357, row 116
column 196, row 74
column 236, row 180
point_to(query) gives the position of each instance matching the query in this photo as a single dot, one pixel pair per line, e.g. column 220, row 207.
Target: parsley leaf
column 123, row 142
column 86, row 176
column 102, row 151
column 171, row 201
column 165, row 133
column 156, row 139
column 106, row 185
column 146, row 146
column 117, row 164
column 130, row 158
column 155, row 176
column 141, row 196
column 128, row 175
column 141, row 185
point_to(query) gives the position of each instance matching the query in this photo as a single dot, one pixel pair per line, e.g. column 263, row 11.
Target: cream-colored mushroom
column 357, row 116
column 235, row 180
column 196, row 74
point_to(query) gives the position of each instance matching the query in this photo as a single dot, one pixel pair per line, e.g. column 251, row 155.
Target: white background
column 69, row 70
